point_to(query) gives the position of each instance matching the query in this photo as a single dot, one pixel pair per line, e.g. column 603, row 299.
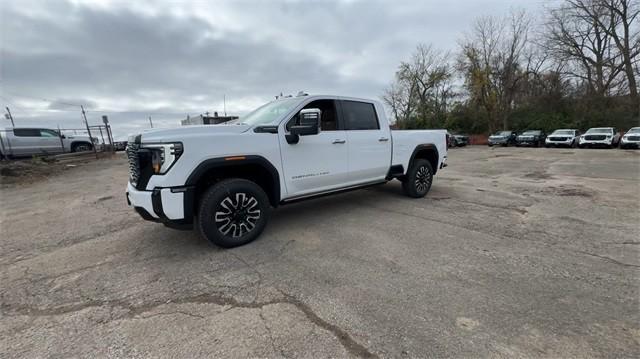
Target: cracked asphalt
column 515, row 252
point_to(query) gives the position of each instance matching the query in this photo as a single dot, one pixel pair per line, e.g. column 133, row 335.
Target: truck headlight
column 163, row 156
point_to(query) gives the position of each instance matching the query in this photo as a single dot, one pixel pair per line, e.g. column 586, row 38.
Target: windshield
column 600, row 130
column 531, row 133
column 563, row 132
column 268, row 113
column 503, row 133
column 634, row 130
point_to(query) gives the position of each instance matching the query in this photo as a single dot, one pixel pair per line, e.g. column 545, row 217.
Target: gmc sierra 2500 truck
column 224, row 179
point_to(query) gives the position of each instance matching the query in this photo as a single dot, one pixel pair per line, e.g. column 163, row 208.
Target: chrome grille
column 134, row 163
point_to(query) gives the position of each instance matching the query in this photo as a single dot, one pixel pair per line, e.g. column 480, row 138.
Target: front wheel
column 233, row 212
column 418, row 179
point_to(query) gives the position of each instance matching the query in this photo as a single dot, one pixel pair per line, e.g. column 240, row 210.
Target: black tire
column 233, row 212
column 418, row 179
column 81, row 147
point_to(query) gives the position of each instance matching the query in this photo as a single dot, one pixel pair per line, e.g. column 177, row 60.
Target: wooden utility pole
column 10, row 117
column 61, row 141
column 86, row 123
column 105, row 120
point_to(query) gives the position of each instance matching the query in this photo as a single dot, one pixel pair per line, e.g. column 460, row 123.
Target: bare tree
column 492, row 60
column 617, row 23
column 421, row 89
column 579, row 33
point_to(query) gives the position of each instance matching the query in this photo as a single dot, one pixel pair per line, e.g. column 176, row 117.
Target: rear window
column 359, row 116
column 26, row 132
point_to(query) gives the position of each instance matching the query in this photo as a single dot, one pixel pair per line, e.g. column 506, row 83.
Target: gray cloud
column 171, row 59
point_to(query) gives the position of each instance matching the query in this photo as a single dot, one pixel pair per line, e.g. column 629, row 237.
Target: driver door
column 317, row 163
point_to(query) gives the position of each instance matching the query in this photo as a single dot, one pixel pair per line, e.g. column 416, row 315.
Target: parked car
column 600, row 137
column 531, row 138
column 226, row 178
column 504, row 138
column 631, row 139
column 460, row 140
column 18, row 142
column 562, row 137
column 450, row 140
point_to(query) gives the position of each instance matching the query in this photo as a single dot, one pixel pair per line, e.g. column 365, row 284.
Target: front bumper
column 568, row 142
column 170, row 206
column 526, row 142
column 497, row 142
column 595, row 143
column 629, row 143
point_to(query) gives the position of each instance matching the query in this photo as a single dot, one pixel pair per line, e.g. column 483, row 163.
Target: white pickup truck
column 226, row 178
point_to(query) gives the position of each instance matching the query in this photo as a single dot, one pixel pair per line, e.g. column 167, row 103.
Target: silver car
column 20, row 142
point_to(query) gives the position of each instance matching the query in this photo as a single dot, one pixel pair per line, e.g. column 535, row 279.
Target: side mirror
column 309, row 124
column 63, row 136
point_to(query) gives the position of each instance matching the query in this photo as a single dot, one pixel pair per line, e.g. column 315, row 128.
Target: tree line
column 577, row 67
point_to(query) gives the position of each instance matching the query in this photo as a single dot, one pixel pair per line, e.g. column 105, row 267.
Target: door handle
column 338, row 141
column 383, row 139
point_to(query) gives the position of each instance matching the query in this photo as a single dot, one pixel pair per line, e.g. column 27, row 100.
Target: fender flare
column 238, row 161
column 425, row 146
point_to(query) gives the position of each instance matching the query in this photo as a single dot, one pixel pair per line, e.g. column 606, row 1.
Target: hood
column 173, row 134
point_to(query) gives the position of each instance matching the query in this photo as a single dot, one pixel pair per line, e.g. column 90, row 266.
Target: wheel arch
column 74, row 144
column 254, row 168
column 427, row 151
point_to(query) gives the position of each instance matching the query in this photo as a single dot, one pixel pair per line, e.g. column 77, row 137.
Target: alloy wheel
column 423, row 179
column 237, row 215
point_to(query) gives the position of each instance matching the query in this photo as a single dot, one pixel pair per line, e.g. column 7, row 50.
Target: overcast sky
column 132, row 59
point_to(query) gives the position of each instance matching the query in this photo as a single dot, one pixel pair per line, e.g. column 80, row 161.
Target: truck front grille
column 594, row 137
column 134, row 163
column 558, row 138
column 634, row 138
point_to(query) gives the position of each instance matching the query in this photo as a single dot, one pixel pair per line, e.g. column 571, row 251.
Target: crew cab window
column 329, row 116
column 48, row 133
column 359, row 116
column 26, row 132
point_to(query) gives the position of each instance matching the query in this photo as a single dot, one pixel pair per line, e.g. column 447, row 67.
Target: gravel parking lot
column 515, row 252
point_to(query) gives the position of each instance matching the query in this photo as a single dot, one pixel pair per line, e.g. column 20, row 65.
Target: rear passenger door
column 25, row 141
column 369, row 144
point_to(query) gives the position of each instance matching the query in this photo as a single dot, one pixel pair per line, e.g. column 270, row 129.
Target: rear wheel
column 233, row 212
column 418, row 180
column 80, row 147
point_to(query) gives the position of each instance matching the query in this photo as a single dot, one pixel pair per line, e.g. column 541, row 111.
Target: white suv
column 631, row 139
column 226, row 178
column 600, row 137
column 563, row 137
